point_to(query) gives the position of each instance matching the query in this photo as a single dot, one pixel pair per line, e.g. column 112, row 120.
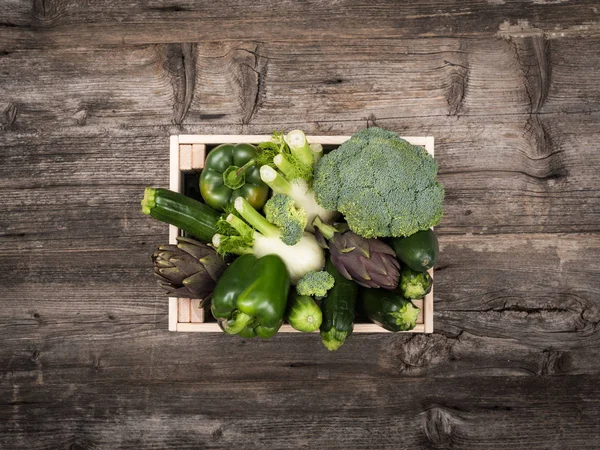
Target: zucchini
column 190, row 215
column 389, row 310
column 338, row 310
column 303, row 313
column 418, row 251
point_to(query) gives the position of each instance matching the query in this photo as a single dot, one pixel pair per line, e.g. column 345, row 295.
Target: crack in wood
column 459, row 81
column 9, row 116
column 533, row 55
column 251, row 79
column 180, row 64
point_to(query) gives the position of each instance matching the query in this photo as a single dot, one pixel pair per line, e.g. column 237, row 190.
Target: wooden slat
column 173, row 313
column 184, row 310
column 196, row 311
column 117, row 23
column 185, row 157
column 213, row 327
column 174, row 180
column 198, row 156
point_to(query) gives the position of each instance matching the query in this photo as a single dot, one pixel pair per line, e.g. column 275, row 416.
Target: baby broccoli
column 383, row 185
column 280, row 211
column 315, row 284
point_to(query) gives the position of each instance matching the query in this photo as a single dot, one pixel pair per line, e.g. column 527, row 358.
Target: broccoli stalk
column 300, row 192
column 298, row 144
column 317, row 151
column 254, row 234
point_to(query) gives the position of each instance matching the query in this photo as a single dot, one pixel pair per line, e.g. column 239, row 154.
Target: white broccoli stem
column 317, row 151
column 284, row 165
column 304, row 197
column 299, row 191
column 275, row 181
column 299, row 147
column 303, row 257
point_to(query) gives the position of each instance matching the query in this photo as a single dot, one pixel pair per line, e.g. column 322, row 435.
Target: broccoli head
column 315, row 284
column 280, row 211
column 383, row 185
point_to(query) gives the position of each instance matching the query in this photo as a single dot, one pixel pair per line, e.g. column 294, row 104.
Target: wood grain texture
column 89, row 94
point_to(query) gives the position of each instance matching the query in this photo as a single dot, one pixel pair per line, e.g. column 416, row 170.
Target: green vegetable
column 383, row 185
column 304, row 314
column 294, row 158
column 250, row 298
column 315, row 284
column 338, row 310
column 419, row 251
column 230, row 172
column 280, row 211
column 414, row 284
column 189, row 269
column 190, row 215
column 388, row 309
column 256, row 235
column 369, row 262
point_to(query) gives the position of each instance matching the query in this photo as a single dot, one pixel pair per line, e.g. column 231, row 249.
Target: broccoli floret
column 280, row 211
column 315, row 284
column 383, row 185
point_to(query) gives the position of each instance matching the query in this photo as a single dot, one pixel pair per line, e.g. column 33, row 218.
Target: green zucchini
column 190, row 215
column 338, row 310
column 418, row 251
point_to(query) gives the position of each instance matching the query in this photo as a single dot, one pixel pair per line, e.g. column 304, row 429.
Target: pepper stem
column 242, row 169
column 326, row 230
column 234, row 176
column 237, row 323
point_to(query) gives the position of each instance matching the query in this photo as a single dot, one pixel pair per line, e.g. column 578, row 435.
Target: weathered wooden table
column 90, row 92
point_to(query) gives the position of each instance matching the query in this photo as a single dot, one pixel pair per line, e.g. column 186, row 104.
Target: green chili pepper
column 250, row 298
column 230, row 172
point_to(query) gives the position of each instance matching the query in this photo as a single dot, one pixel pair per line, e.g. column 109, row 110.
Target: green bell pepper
column 389, row 309
column 230, row 172
column 250, row 298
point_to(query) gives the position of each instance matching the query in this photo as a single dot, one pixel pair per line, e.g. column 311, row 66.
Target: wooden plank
column 537, row 413
column 115, row 23
column 174, row 180
column 198, row 156
column 183, row 310
column 427, row 308
column 196, row 311
column 213, row 327
column 430, row 78
column 185, row 157
column 173, row 313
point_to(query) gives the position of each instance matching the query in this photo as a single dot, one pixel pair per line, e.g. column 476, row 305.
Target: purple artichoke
column 369, row 262
column 189, row 269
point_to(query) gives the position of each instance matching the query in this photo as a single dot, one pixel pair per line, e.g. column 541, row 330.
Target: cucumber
column 418, row 251
column 190, row 215
column 338, row 310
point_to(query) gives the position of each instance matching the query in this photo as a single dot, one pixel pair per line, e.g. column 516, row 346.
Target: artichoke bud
column 189, row 269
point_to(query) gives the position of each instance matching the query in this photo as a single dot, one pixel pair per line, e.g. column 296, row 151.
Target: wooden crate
column 187, row 155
